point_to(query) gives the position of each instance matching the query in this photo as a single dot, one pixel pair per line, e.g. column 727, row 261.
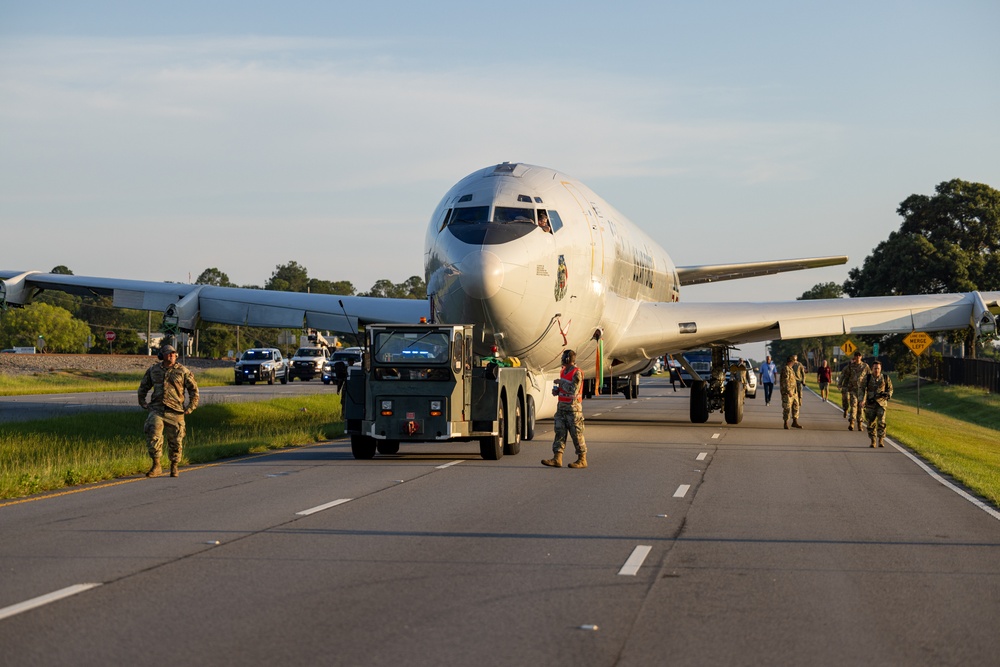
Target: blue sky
column 154, row 140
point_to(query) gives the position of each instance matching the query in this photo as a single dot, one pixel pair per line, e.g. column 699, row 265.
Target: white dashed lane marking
column 41, row 600
column 635, row 561
column 682, row 490
column 320, row 508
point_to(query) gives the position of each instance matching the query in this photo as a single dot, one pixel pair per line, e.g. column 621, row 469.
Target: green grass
column 72, row 381
column 50, row 454
column 957, row 430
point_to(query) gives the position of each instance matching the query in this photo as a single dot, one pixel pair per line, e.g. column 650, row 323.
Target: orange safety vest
column 567, row 374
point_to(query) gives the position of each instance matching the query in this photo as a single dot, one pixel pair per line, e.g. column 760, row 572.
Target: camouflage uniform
column 875, row 394
column 569, row 413
column 853, row 377
column 800, row 378
column 166, row 407
column 790, row 400
column 844, row 402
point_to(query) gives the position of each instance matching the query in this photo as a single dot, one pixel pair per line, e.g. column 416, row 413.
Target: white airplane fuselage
column 533, row 293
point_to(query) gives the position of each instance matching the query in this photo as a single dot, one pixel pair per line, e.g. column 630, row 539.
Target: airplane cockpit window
column 503, row 215
column 470, row 215
column 555, row 221
column 445, row 220
column 543, row 221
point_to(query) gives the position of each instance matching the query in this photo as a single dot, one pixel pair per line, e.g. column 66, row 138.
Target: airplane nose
column 481, row 274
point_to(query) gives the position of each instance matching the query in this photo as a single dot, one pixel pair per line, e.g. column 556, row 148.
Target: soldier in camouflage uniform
column 843, row 391
column 168, row 380
column 790, row 399
column 853, row 377
column 569, row 413
column 876, row 390
column 800, row 376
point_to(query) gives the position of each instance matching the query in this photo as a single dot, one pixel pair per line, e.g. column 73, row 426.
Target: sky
column 155, row 140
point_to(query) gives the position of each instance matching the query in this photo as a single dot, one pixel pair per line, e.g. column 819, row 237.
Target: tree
column 383, row 288
column 21, row 327
column 61, row 270
column 339, row 287
column 288, row 278
column 949, row 242
column 213, row 277
column 411, row 288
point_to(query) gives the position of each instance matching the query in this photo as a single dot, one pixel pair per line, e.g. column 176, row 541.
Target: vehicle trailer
column 420, row 383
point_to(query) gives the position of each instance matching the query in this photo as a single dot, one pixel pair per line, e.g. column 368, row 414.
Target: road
column 681, row 544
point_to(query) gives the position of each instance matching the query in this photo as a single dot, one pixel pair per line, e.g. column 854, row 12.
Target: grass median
column 50, row 454
column 957, row 430
column 71, row 381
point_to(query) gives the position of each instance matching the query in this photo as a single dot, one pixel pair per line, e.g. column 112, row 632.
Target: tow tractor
column 422, row 383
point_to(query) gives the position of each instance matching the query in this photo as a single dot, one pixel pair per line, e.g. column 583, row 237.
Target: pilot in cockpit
column 543, row 222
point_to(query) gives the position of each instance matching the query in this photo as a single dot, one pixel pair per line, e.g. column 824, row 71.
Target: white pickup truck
column 307, row 363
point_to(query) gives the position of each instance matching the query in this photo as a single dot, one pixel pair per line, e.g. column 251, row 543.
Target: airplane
column 540, row 263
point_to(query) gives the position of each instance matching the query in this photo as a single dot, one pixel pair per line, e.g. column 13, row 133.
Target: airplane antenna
column 354, row 331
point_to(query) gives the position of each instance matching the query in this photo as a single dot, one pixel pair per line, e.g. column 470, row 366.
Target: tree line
column 72, row 324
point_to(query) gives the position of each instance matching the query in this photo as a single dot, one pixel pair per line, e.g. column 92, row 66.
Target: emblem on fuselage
column 562, row 277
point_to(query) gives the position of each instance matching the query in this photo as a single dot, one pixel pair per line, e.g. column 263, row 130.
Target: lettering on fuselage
column 635, row 268
column 643, row 273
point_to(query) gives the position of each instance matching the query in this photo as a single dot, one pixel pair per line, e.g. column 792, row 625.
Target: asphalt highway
column 681, row 544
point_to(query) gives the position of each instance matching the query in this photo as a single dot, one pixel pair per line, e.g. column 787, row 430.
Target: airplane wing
column 660, row 328
column 710, row 273
column 185, row 304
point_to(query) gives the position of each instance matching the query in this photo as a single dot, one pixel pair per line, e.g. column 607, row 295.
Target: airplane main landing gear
column 718, row 393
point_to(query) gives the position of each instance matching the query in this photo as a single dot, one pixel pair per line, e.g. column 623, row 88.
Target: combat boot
column 850, row 426
column 581, row 461
column 786, row 424
column 155, row 469
column 881, row 441
column 173, row 469
column 873, row 442
column 555, row 461
column 796, row 424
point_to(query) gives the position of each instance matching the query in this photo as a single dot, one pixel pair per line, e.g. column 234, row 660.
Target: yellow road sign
column 848, row 347
column 918, row 341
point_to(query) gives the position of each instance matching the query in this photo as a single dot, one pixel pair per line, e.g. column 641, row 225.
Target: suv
column 307, row 362
column 335, row 370
column 261, row 363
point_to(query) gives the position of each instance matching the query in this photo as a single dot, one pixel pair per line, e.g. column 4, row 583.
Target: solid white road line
column 447, row 465
column 682, row 490
column 635, row 561
column 320, row 508
column 701, row 457
column 933, row 473
column 14, row 609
